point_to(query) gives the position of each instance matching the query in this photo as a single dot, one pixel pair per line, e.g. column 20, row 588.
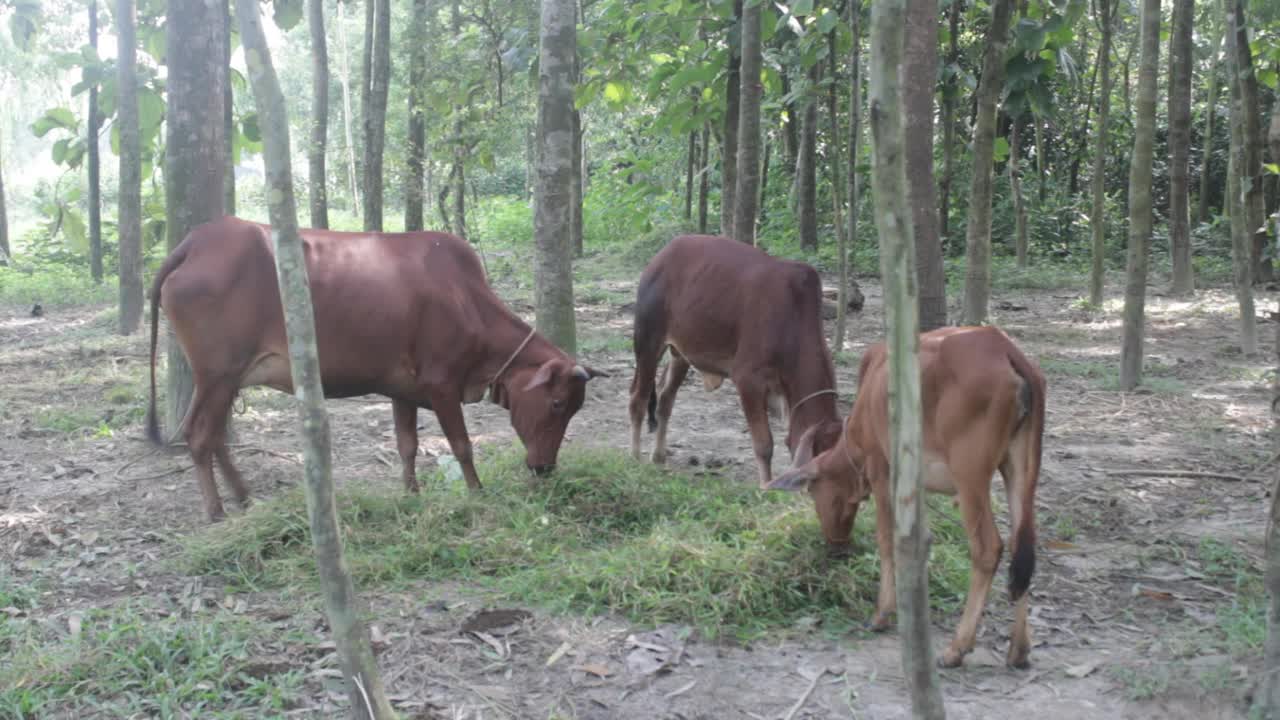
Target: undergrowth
column 603, row 534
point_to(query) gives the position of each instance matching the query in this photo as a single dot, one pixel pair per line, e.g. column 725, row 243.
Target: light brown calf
column 984, row 405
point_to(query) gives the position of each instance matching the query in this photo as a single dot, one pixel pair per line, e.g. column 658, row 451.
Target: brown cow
column 730, row 310
column 405, row 315
column 983, row 403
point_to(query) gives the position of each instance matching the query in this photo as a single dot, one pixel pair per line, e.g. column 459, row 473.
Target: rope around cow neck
column 812, row 395
column 512, row 359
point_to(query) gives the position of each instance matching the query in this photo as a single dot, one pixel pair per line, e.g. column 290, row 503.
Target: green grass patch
column 53, row 286
column 124, row 664
column 1105, row 374
column 603, row 534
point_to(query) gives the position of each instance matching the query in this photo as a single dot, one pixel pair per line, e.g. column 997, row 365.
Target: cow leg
column 677, row 370
column 204, row 432
column 887, row 601
column 984, row 556
column 232, row 475
column 449, row 412
column 642, row 388
column 405, row 414
column 754, row 396
column 1019, row 634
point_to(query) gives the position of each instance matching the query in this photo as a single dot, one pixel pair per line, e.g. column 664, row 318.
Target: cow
column 405, row 315
column 730, row 310
column 984, row 406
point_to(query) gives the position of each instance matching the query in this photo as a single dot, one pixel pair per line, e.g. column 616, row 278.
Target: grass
column 1156, row 377
column 53, row 286
column 125, row 664
column 603, row 534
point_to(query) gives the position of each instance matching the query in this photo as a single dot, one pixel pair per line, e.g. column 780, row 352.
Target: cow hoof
column 1019, row 658
column 950, row 658
column 216, row 517
column 879, row 623
column 659, row 458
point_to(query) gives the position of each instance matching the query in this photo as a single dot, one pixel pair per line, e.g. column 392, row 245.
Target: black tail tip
column 653, row 410
column 1022, row 567
column 153, row 428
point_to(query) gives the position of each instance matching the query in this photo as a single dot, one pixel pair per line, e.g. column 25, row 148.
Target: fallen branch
column 805, row 697
column 1134, row 472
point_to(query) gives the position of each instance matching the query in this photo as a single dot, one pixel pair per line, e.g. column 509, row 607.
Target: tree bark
column 553, row 277
column 345, row 77
column 897, row 259
column 576, row 172
column 1241, row 252
column 5, row 252
column 1083, row 133
column 919, row 78
column 1041, row 161
column 1251, row 170
column 1015, row 188
column 1098, row 183
column 691, row 159
column 95, row 165
column 704, row 182
column 855, row 140
column 364, row 685
column 229, row 119
column 1211, row 111
column 949, row 98
column 129, row 220
column 1180, row 62
column 977, row 286
column 194, row 160
column 413, row 188
column 375, row 114
column 837, row 183
column 1266, row 700
column 729, row 148
column 317, row 177
column 1140, row 219
column 806, row 170
column 746, row 196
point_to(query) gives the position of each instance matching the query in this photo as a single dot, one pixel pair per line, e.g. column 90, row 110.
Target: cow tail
column 1032, row 400
column 171, row 263
column 653, row 408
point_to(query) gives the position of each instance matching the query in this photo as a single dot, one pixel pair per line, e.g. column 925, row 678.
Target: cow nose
column 542, row 470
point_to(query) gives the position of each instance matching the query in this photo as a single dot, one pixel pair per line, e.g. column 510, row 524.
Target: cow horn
column 581, row 373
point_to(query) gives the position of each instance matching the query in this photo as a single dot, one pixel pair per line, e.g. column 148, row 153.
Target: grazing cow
column 983, row 403
column 406, row 315
column 730, row 310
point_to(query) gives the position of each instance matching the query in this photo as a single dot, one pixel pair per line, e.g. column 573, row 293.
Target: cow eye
column 557, row 404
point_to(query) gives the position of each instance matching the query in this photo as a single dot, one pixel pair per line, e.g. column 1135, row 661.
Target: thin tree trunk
column 576, row 172
column 343, row 607
column 1015, row 186
column 1251, row 170
column 919, row 78
column 1180, row 62
column 764, row 179
column 691, row 159
column 318, row 195
column 1098, row 211
column 1128, row 77
column 5, row 252
column 553, row 276
column 95, row 165
column 194, row 159
column 897, row 260
column 229, row 119
column 413, row 189
column 806, row 183
column 1211, row 111
column 977, row 286
column 704, row 182
column 790, row 129
column 837, row 176
column 345, row 71
column 746, row 196
column 375, row 119
column 949, row 98
column 855, row 140
column 129, row 219
column 460, row 183
column 366, row 98
column 1266, row 700
column 1083, row 133
column 1241, row 254
column 729, row 148
column 1140, row 205
column 1041, row 161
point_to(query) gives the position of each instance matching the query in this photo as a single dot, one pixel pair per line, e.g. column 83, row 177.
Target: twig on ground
column 1135, row 472
column 804, row 698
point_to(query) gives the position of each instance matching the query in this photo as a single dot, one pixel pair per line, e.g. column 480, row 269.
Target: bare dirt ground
column 1127, row 619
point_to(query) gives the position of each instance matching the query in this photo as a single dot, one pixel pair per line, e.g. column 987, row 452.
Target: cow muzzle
column 542, row 470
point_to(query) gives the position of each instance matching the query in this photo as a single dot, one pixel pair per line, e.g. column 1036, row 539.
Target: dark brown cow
column 406, row 315
column 984, row 405
column 730, row 310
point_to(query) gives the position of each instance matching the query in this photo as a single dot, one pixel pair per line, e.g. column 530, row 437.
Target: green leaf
column 827, row 21
column 73, row 231
column 60, row 150
column 802, row 7
column 286, row 13
column 1001, row 150
column 614, row 92
column 1267, row 77
column 660, row 58
column 150, row 109
column 249, row 126
column 58, row 117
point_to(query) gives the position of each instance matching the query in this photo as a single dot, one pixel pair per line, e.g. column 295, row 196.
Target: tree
column 95, row 164
column 1250, row 169
column 704, row 182
column 553, row 286
column 414, row 193
column 1015, row 188
column 364, row 685
column 729, row 148
column 5, row 252
column 1210, row 111
column 919, row 78
column 977, row 285
column 1140, row 219
column 378, row 54
column 345, row 78
column 1241, row 251
column 746, row 198
column 950, row 98
column 1098, row 210
column 897, row 251
column 129, row 220
column 1180, row 61
column 194, row 161
column 837, row 183
column 855, row 141
column 229, row 117
column 316, row 174
column 806, row 182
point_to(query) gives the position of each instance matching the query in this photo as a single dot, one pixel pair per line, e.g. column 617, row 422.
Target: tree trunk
column 897, row 259
column 764, row 180
column 950, row 96
column 318, row 195
column 366, row 95
column 704, row 182
column 729, row 148
column 364, row 685
column 91, row 142
column 1251, row 170
column 1211, row 111
column 129, row 220
column 691, row 159
column 375, row 114
column 977, row 285
column 229, row 119
column 746, row 196
column 1041, row 158
column 1241, row 230
column 837, row 180
column 460, row 183
column 5, row 252
column 790, row 129
column 194, row 160
column 1015, row 187
column 577, row 173
column 1083, row 133
column 1098, row 183
column 1180, row 62
column 855, row 140
column 553, row 285
column 345, row 71
column 919, row 78
column 413, row 189
column 806, row 170
column 1140, row 219
column 1266, row 699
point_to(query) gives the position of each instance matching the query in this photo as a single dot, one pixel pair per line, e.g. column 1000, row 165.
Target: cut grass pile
column 604, row 533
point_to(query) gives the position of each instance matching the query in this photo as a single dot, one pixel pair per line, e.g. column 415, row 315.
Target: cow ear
column 795, row 479
column 804, row 448
column 543, row 376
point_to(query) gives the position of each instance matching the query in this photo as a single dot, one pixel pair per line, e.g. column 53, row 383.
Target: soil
column 1121, row 605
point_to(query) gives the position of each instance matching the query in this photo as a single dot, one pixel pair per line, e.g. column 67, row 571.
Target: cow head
column 542, row 400
column 835, row 478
